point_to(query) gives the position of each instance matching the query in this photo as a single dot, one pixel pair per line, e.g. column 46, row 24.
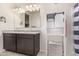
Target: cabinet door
column 9, row 41
column 25, row 44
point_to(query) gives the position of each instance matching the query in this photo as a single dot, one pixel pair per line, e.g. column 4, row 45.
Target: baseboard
column 43, row 51
column 2, row 50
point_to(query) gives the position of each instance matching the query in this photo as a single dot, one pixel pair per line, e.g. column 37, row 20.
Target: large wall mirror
column 29, row 18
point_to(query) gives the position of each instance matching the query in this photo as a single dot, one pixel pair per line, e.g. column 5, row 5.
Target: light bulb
column 20, row 8
column 30, row 6
column 27, row 6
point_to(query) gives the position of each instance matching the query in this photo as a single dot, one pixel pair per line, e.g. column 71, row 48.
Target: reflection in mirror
column 26, row 20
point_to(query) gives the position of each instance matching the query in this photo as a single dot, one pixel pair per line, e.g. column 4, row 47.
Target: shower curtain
column 76, row 29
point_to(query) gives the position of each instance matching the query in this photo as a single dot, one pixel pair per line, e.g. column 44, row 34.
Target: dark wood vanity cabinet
column 28, row 44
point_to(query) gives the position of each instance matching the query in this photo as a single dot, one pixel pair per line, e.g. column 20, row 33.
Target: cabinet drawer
column 9, row 35
column 28, row 36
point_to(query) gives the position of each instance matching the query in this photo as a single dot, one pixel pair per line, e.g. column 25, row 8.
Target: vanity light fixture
column 28, row 8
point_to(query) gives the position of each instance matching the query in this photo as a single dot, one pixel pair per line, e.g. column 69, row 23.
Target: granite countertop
column 20, row 31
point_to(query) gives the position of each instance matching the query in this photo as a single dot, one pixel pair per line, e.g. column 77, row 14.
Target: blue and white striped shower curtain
column 76, row 29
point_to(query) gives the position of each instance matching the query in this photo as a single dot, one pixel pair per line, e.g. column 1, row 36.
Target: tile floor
column 8, row 53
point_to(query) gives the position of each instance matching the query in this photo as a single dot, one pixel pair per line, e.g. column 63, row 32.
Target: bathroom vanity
column 22, row 42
